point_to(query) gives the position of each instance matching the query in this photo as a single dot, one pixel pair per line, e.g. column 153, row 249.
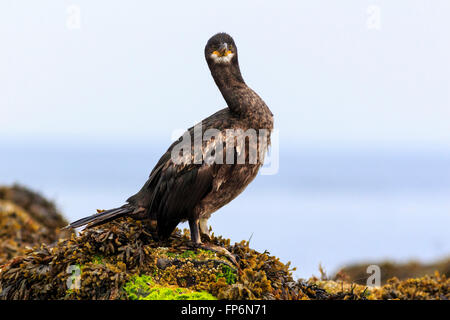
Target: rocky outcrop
column 123, row 260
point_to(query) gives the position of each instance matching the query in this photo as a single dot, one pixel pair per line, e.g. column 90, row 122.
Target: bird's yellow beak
column 223, row 50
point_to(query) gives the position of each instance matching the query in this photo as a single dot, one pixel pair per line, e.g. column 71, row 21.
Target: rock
column 122, row 260
column 40, row 209
column 358, row 272
column 163, row 263
column 26, row 220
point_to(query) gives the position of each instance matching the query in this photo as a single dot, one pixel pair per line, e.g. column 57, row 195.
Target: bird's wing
column 175, row 188
column 178, row 192
column 150, row 193
column 180, row 186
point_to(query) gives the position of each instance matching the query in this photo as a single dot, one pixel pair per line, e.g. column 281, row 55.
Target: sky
column 131, row 71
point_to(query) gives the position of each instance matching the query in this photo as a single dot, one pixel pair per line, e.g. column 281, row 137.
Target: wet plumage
column 192, row 190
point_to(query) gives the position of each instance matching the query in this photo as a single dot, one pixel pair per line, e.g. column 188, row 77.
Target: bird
column 192, row 181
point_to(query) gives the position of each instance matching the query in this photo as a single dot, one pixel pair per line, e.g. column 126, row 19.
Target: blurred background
column 92, row 92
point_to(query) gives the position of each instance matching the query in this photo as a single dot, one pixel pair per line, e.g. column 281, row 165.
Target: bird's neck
column 232, row 86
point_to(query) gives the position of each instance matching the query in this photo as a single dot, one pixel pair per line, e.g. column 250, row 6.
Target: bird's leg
column 204, row 230
column 153, row 226
column 195, row 232
column 194, row 226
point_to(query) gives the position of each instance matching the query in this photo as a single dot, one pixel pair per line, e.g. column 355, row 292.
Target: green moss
column 189, row 254
column 143, row 288
column 97, row 259
column 171, row 254
column 227, row 273
column 69, row 293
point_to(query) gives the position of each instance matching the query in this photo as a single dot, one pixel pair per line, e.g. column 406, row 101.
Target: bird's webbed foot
column 197, row 230
column 218, row 249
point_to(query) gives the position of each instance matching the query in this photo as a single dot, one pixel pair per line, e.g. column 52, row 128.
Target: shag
column 191, row 190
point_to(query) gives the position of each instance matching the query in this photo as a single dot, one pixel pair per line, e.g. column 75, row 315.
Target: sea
column 328, row 205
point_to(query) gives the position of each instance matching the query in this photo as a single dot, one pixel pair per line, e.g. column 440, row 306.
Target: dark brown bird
column 211, row 164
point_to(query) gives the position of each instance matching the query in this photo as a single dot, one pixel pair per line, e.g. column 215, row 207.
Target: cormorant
column 195, row 187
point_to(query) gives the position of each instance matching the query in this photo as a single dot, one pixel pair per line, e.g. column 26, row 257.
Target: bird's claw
column 219, row 250
column 205, row 237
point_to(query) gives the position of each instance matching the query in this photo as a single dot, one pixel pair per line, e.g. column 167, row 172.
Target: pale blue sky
column 136, row 69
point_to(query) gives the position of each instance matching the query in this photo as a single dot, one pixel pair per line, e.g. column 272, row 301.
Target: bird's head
column 221, row 50
column 222, row 57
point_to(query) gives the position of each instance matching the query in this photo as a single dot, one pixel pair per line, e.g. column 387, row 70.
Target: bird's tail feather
column 102, row 217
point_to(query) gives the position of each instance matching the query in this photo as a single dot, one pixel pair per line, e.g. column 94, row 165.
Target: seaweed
column 122, row 260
